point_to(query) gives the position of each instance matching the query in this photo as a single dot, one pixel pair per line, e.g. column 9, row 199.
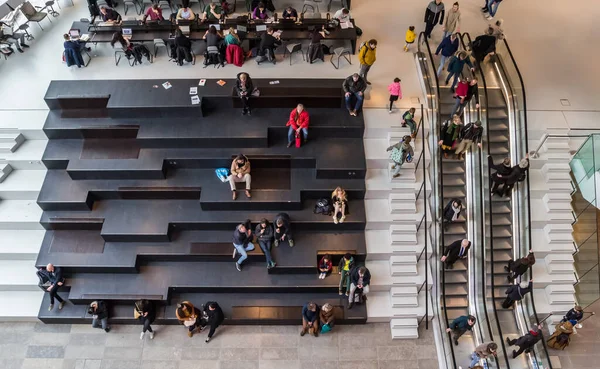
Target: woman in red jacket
column 298, row 122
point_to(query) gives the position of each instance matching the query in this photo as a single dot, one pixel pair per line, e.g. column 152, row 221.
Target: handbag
column 189, row 323
column 222, row 174
column 396, row 155
column 298, row 140
column 325, row 328
column 255, row 92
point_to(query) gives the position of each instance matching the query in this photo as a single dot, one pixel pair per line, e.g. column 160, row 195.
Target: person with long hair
column 146, row 313
column 232, row 38
column 244, row 88
column 189, row 316
column 340, row 204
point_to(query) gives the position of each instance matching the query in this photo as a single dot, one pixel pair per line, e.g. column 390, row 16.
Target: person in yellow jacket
column 367, row 56
column 410, row 37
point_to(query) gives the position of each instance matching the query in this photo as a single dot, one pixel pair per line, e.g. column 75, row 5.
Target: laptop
column 74, row 34
column 216, row 25
column 185, row 30
column 261, row 27
column 127, row 32
column 242, row 29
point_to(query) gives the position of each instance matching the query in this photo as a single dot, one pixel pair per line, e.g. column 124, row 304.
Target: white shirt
column 341, row 16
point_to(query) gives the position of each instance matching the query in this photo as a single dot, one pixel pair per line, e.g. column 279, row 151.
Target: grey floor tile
column 127, row 328
column 21, row 338
column 123, row 353
column 89, row 339
column 278, row 353
column 426, row 351
column 195, row 364
column 240, row 340
column 127, row 340
column 155, row 364
column 119, row 364
column 314, row 364
column 359, row 364
column 92, row 364
column 428, row 364
column 84, row 352
column 161, row 353
column 7, row 327
column 193, row 353
column 249, row 364
column 281, row 329
column 239, row 329
column 12, row 351
column 11, row 363
column 318, row 353
column 41, row 363
column 85, row 328
column 50, row 339
column 278, row 364
column 349, row 353
column 49, row 352
column 279, row 340
column 395, row 364
column 73, row 364
column 239, row 354
column 396, row 353
column 52, row 328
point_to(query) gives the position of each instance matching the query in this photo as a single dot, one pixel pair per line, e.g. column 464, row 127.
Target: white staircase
column 22, row 144
column 551, row 229
column 393, row 242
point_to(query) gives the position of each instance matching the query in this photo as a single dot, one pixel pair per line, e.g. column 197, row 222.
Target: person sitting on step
column 282, row 229
column 52, row 279
column 325, row 266
column 242, row 242
column 340, row 205
column 240, row 172
column 99, row 313
column 264, row 234
column 360, row 278
column 298, row 124
column 310, row 319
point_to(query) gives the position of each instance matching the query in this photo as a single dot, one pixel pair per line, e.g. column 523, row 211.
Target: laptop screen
column 241, row 28
column 261, row 27
column 74, row 33
column 127, row 32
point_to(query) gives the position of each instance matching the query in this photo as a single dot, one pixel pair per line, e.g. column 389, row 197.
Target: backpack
column 212, row 56
column 323, row 206
column 222, row 174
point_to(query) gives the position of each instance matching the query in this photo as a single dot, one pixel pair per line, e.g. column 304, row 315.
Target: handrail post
column 534, row 154
column 425, row 230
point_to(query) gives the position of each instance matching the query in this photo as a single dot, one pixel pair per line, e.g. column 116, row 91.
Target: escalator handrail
column 422, row 40
column 512, row 58
column 493, row 287
column 485, row 94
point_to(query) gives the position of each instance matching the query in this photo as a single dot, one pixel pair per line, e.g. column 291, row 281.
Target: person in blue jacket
column 460, row 326
column 448, row 47
column 310, row 319
column 73, row 51
column 456, row 66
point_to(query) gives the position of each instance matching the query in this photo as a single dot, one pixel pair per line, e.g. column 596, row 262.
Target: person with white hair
column 52, row 279
column 456, row 250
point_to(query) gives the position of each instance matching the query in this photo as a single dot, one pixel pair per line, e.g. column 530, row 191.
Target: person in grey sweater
column 264, row 234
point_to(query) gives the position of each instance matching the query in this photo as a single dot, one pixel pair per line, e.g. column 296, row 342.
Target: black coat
column 449, row 212
column 101, row 310
column 147, row 307
column 515, row 292
column 354, row 276
column 500, row 168
column 574, row 315
column 215, row 317
column 528, row 340
column 240, row 238
column 238, row 85
column 285, row 228
column 483, row 45
column 453, row 250
column 267, row 234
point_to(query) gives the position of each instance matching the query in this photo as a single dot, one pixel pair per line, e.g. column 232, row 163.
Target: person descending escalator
column 518, row 268
column 483, row 351
column 526, row 342
column 460, row 326
column 516, row 293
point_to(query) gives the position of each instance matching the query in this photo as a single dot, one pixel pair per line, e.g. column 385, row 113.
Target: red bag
column 298, row 139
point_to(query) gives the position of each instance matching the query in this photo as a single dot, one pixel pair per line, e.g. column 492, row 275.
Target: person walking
column 434, row 13
column 491, row 8
column 400, row 153
column 408, row 118
column 214, row 318
column 518, row 268
column 452, row 212
column 460, row 326
column 145, row 313
column 452, row 22
column 395, row 92
column 516, row 292
column 447, row 47
column 525, row 342
column 242, row 242
column 458, row 249
column 410, row 38
column 455, row 67
column 367, row 56
column 469, row 135
column 264, row 234
column 483, row 351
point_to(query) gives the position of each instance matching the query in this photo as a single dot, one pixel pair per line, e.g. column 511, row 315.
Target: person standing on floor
column 575, row 314
column 242, row 242
column 410, row 38
column 99, row 313
column 469, row 135
column 460, row 326
column 452, row 22
column 561, row 337
column 146, row 313
column 458, row 249
column 526, row 342
column 434, row 13
column 367, row 56
column 518, row 268
column 214, row 316
column 283, row 229
column 395, row 92
column 483, row 351
column 491, row 8
column 54, row 276
column 447, row 47
column 344, row 267
column 455, row 67
column 516, row 292
column 400, row 153
column 360, row 277
column 264, row 234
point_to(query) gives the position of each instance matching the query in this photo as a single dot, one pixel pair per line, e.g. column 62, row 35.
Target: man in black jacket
column 434, row 13
column 53, row 275
column 516, row 293
column 242, row 242
column 456, row 250
column 470, row 134
column 483, row 45
column 354, row 86
column 526, row 342
column 215, row 317
column 282, row 229
column 517, row 173
column 99, row 313
column 268, row 44
column 502, row 170
column 360, row 277
column 264, row 233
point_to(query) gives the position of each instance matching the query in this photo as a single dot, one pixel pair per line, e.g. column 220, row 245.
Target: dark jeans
column 213, row 328
column 458, row 333
column 265, row 246
column 245, row 102
column 292, row 134
column 455, row 80
column 146, row 323
column 520, row 350
column 429, row 29
column 54, row 294
column 359, row 101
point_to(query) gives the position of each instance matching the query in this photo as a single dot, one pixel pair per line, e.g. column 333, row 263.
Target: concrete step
column 402, row 229
column 544, row 307
column 383, row 280
column 410, row 259
column 19, row 214
column 560, row 167
column 22, row 185
column 554, row 229
column 542, row 246
column 18, row 275
column 559, row 259
column 379, row 308
column 20, row 305
column 407, row 175
column 554, row 269
column 10, row 142
column 20, row 245
column 405, row 328
column 5, row 170
column 404, row 301
column 29, row 123
column 403, row 269
column 557, row 145
column 28, row 157
column 404, row 291
column 560, row 289
column 402, row 198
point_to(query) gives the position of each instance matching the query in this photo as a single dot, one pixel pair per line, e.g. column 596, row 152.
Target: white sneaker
column 489, row 17
column 142, row 335
column 151, row 335
column 390, row 112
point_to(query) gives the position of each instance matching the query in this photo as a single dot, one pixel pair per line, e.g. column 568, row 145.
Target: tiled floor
column 35, row 345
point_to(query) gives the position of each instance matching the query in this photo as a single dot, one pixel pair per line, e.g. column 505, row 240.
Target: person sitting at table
column 185, row 12
column 267, row 46
column 130, row 49
column 213, row 37
column 212, row 12
column 315, row 51
column 290, row 13
column 73, row 51
column 260, row 12
column 154, row 13
column 343, row 15
column 183, row 47
column 298, row 123
column 110, row 15
column 232, row 38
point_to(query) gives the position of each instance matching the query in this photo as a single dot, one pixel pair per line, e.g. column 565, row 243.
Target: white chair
column 313, row 4
column 338, row 53
column 291, row 49
column 158, row 42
